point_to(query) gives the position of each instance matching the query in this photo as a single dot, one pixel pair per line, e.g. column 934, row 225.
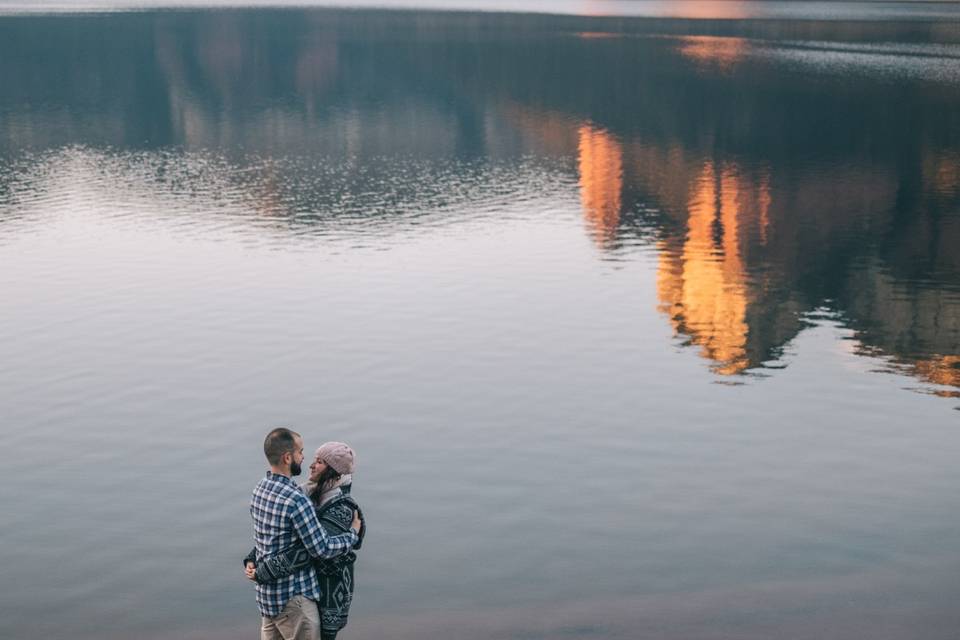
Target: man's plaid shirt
column 282, row 517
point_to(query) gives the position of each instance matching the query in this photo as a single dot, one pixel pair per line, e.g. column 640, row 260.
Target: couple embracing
column 305, row 540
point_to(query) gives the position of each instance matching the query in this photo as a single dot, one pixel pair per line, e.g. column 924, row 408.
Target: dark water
column 641, row 327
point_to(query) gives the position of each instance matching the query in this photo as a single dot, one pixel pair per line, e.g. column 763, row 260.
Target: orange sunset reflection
column 600, row 160
column 942, row 370
column 723, row 52
column 741, row 247
column 702, row 285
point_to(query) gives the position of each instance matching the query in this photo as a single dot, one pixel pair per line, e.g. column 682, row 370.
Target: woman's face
column 317, row 467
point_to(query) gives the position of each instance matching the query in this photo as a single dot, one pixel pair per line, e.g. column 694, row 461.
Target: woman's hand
column 356, row 521
column 251, row 571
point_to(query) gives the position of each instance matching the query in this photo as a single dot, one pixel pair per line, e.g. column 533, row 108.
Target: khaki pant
column 299, row 620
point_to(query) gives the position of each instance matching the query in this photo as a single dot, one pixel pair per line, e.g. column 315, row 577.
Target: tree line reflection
column 748, row 252
column 776, row 178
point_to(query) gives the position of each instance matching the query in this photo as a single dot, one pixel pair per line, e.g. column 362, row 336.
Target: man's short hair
column 278, row 442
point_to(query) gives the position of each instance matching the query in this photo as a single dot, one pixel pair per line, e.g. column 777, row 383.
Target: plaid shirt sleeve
column 314, row 538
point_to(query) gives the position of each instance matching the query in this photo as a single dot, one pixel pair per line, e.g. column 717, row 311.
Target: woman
column 331, row 478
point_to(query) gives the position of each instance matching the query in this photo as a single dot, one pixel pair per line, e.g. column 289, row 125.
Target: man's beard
column 295, row 468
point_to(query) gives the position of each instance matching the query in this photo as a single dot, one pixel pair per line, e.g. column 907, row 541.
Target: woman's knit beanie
column 338, row 455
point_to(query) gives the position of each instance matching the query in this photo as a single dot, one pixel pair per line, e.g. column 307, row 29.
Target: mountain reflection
column 770, row 190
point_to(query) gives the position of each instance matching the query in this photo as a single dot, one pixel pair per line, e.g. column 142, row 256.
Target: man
column 283, row 516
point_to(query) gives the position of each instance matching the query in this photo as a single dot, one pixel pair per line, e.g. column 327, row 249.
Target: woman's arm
column 282, row 565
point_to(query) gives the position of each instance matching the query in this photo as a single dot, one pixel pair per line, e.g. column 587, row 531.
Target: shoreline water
column 878, row 604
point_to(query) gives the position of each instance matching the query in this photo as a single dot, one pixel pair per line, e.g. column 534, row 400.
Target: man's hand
column 356, row 521
column 251, row 571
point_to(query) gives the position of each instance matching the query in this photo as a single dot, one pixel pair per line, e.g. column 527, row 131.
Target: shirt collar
column 280, row 478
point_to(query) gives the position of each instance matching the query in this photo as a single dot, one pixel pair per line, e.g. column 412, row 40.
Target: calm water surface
column 641, row 327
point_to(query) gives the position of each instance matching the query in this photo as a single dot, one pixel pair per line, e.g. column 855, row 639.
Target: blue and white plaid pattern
column 283, row 516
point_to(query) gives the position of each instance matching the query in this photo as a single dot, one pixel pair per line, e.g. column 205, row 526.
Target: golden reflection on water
column 942, row 370
column 702, row 281
column 702, row 285
column 723, row 52
column 727, row 272
column 713, row 280
column 600, row 160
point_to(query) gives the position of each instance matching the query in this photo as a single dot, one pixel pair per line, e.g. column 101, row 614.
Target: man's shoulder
column 278, row 491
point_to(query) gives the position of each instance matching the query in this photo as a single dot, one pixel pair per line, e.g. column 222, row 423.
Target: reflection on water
column 600, row 160
column 942, row 370
column 702, row 284
column 769, row 190
column 724, row 52
column 516, row 239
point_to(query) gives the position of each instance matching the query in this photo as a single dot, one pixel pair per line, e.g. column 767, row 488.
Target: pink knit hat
column 338, row 455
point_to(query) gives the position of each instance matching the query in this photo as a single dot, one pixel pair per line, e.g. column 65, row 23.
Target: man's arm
column 315, row 539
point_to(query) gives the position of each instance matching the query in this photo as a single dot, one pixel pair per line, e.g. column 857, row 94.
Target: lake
column 643, row 319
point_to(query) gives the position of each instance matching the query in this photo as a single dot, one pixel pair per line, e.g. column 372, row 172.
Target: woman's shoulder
column 338, row 512
column 339, row 503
